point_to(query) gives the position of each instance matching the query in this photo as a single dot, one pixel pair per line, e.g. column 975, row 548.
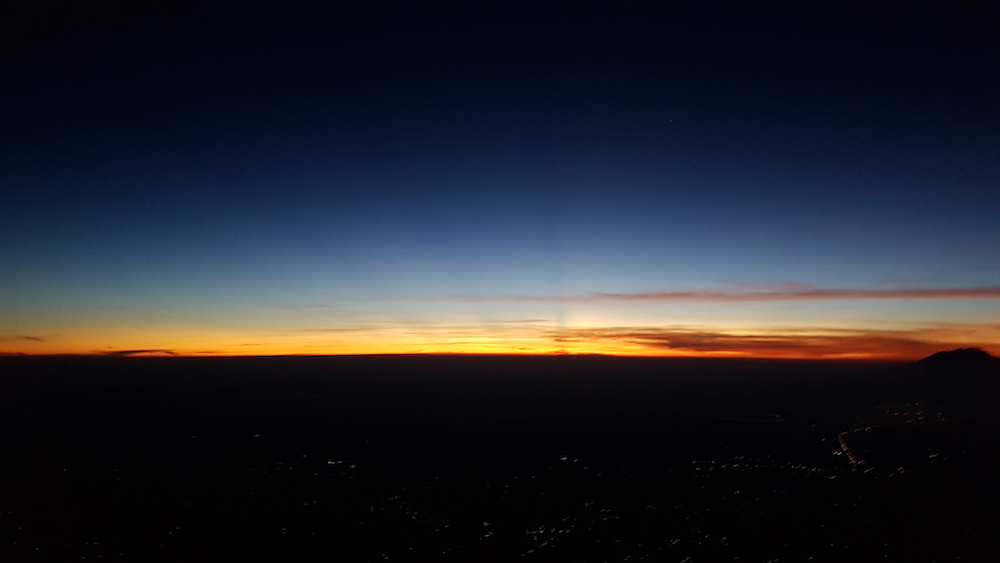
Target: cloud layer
column 797, row 342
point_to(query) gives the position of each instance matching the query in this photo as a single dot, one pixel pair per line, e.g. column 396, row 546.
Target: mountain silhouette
column 966, row 378
column 961, row 356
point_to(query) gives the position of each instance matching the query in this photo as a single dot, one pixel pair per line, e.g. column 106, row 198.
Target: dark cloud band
column 815, row 294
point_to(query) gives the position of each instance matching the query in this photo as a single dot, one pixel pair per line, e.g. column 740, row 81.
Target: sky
column 557, row 178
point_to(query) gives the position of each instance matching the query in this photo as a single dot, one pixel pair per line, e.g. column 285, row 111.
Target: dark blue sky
column 200, row 168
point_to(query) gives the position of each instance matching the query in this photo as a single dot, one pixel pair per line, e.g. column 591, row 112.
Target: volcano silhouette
column 961, row 356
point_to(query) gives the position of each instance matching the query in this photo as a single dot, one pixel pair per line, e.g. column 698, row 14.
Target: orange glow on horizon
column 592, row 335
column 790, row 348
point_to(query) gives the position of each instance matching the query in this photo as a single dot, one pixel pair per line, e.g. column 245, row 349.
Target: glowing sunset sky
column 502, row 179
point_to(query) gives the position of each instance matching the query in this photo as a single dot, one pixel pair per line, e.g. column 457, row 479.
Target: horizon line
column 105, row 355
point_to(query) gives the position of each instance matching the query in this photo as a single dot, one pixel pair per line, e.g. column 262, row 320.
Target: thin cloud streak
column 814, row 343
column 338, row 329
column 427, row 326
column 815, row 294
column 21, row 337
column 149, row 352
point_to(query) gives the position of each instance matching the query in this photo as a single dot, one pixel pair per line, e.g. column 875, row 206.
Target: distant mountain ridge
column 961, row 356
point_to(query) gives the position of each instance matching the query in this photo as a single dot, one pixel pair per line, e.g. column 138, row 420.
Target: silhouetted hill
column 961, row 356
column 963, row 378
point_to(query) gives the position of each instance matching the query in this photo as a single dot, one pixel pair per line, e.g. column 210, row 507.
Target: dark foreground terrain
column 495, row 459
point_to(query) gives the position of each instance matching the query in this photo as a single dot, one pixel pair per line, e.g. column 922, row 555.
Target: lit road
column 846, row 449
